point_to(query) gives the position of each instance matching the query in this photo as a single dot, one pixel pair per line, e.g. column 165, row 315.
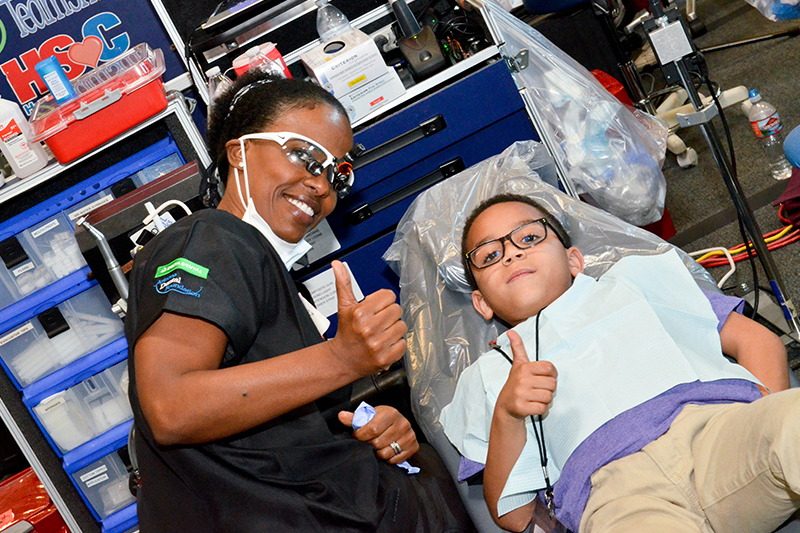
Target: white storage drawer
column 87, row 409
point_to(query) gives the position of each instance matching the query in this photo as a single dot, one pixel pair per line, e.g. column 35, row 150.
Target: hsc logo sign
column 100, row 41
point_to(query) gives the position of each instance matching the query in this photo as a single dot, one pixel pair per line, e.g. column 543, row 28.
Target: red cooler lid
column 98, row 89
column 21, row 497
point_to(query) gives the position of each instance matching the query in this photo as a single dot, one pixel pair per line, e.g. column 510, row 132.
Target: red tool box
column 110, row 100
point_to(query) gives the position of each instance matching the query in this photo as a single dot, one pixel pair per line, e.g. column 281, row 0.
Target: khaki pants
column 728, row 468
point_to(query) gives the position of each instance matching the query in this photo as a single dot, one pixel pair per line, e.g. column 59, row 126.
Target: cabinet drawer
column 463, row 108
column 372, row 210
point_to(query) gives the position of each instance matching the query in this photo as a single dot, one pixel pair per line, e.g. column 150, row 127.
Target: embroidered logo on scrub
column 173, row 284
column 183, row 264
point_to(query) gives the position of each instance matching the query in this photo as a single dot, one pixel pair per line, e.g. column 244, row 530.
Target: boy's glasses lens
column 525, row 236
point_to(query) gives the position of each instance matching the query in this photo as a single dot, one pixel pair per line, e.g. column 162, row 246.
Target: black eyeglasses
column 526, row 236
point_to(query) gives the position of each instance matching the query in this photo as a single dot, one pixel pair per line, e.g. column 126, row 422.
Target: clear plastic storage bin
column 59, row 336
column 55, row 243
column 7, row 295
column 87, row 409
column 22, row 267
column 157, row 169
column 88, row 205
column 104, row 484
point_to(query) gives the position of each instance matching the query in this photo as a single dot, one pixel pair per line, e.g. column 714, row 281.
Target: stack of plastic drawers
column 60, row 343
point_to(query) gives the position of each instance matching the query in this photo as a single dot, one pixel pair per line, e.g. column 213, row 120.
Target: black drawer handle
column 12, row 253
column 425, row 129
column 365, row 211
column 53, row 322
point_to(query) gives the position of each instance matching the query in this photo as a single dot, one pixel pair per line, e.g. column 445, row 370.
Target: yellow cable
column 742, row 248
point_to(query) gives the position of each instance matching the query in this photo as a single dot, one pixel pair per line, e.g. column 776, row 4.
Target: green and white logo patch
column 184, row 264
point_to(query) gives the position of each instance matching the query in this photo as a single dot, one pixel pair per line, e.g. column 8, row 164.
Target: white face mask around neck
column 288, row 252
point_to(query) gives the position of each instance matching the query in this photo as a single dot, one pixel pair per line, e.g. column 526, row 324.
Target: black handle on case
column 425, row 129
column 365, row 211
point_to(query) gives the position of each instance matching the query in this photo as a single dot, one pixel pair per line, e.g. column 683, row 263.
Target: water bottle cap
column 321, row 3
column 213, row 71
column 754, row 96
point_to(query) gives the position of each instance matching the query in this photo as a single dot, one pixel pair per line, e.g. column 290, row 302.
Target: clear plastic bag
column 774, row 10
column 445, row 333
column 610, row 154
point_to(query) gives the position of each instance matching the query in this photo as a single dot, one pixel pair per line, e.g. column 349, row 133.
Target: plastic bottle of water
column 260, row 61
column 767, row 126
column 217, row 84
column 330, row 21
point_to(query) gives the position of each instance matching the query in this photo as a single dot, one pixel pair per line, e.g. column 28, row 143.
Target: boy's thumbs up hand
column 517, row 348
column 530, row 386
column 370, row 336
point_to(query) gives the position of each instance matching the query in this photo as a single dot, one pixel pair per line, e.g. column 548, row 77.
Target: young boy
column 650, row 427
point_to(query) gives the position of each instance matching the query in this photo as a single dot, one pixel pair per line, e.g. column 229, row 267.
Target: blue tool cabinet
column 464, row 128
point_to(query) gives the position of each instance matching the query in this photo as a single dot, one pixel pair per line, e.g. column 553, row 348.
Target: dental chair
column 445, row 334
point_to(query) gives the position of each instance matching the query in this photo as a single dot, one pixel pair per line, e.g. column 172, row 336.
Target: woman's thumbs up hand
column 370, row 336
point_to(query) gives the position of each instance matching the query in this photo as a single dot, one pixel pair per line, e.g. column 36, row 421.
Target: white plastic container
column 104, row 483
column 24, row 156
column 31, row 351
column 90, row 408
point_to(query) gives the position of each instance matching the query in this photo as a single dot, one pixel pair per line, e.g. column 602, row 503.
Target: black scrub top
column 295, row 473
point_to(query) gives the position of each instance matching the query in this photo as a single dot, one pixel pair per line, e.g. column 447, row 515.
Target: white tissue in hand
column 362, row 415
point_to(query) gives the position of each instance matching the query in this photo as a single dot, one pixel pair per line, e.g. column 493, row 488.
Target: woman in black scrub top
column 228, row 371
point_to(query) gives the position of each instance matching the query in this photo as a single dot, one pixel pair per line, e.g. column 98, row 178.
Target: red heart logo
column 86, row 53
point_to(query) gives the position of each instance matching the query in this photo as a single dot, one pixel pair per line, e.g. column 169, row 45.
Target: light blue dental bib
column 641, row 329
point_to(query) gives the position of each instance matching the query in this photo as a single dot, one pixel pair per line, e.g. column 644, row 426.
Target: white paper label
column 16, row 333
column 323, row 291
column 88, row 208
column 95, row 481
column 322, row 241
column 56, row 85
column 22, row 269
column 44, row 229
column 55, row 402
column 92, row 473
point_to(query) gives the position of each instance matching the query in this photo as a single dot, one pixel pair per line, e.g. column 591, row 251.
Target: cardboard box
column 372, row 95
column 352, row 69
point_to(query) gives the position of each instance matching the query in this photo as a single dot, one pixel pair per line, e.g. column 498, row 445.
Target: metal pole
column 740, row 202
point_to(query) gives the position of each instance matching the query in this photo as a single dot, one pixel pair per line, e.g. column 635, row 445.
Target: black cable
column 750, row 254
column 462, row 24
column 536, row 420
column 732, row 161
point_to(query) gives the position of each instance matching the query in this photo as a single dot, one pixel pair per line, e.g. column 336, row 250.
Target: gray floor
column 697, row 198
